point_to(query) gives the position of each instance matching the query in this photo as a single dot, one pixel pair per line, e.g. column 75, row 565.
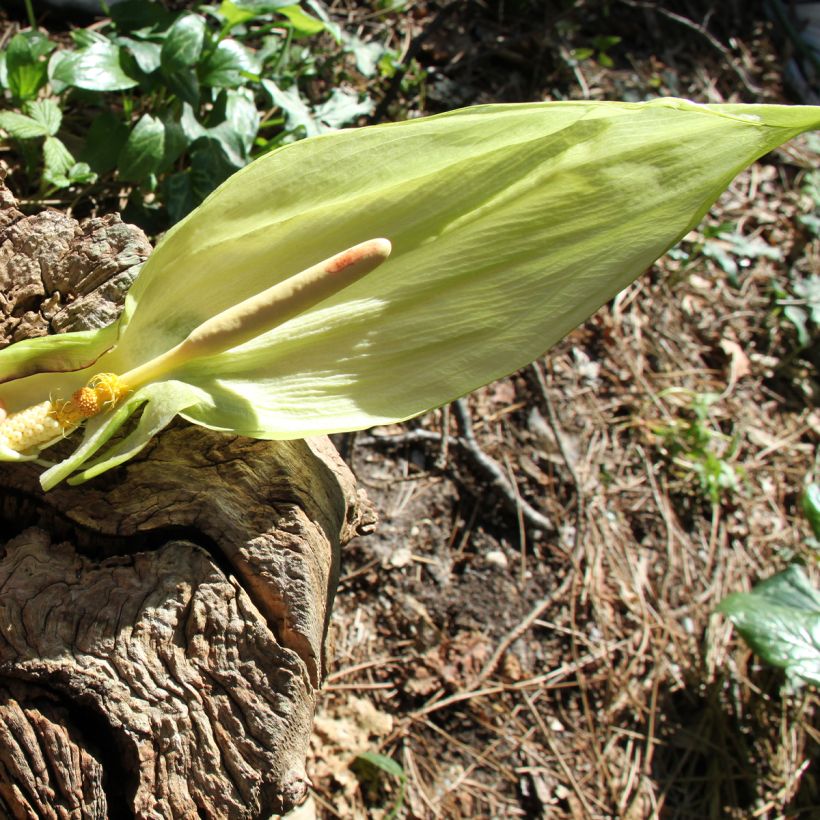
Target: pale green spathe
column 510, row 225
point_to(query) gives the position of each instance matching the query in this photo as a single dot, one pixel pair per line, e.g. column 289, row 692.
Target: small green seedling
column 696, row 445
column 367, row 767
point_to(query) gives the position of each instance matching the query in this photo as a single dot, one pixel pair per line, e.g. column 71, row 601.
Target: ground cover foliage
column 530, row 630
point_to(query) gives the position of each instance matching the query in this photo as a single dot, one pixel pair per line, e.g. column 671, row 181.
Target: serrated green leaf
column 182, row 46
column 810, row 502
column 143, row 150
column 57, row 161
column 366, row 54
column 298, row 114
column 96, row 68
column 343, row 107
column 20, row 126
column 302, row 23
column 780, row 620
column 47, row 113
column 81, row 174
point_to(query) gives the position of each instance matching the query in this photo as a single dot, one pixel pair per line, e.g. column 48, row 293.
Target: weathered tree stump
column 161, row 627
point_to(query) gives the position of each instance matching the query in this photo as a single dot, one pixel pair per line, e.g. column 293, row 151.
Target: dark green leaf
column 26, row 71
column 103, row 142
column 209, row 167
column 143, row 151
column 302, row 23
column 138, row 14
column 811, row 507
column 183, row 43
column 146, row 54
column 184, row 83
column 780, row 620
column 176, row 139
column 96, row 68
column 238, row 127
column 179, row 195
column 227, row 65
column 21, row 127
column 790, row 588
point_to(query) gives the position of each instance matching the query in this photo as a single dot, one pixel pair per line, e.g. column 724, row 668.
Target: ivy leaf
column 96, row 68
column 228, row 65
column 780, row 620
column 147, row 55
column 143, row 151
column 183, row 43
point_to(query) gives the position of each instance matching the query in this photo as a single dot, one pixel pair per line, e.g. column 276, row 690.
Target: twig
column 555, row 426
column 514, row 634
column 493, row 472
column 480, row 461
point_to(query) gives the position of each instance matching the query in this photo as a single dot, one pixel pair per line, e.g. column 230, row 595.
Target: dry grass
column 581, row 671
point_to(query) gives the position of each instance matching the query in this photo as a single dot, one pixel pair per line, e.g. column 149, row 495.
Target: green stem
column 32, row 20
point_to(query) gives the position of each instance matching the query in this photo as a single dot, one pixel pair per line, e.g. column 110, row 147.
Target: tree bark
column 162, row 627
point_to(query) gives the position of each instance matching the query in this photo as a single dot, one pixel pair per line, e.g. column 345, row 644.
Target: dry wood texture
column 162, row 627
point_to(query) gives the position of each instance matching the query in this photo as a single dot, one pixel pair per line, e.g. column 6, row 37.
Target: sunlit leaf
column 509, row 224
column 96, row 68
column 780, row 620
column 182, row 45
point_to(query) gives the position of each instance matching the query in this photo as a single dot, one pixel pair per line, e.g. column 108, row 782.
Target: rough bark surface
column 161, row 627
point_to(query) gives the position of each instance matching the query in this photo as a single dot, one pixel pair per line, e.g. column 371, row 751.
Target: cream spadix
column 43, row 424
column 266, row 310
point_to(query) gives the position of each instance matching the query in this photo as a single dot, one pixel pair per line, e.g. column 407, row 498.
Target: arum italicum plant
column 509, row 225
